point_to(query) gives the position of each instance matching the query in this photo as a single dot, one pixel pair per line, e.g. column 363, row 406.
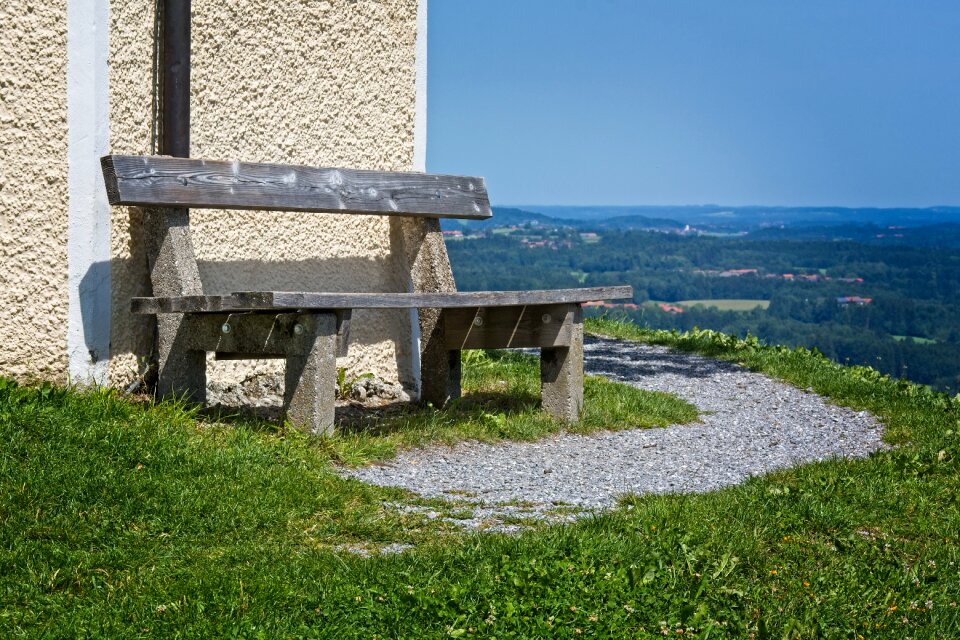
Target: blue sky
column 620, row 102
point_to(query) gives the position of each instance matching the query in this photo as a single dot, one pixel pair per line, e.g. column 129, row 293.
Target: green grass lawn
column 727, row 304
column 123, row 519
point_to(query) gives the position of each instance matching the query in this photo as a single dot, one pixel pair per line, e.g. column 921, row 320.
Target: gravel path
column 750, row 425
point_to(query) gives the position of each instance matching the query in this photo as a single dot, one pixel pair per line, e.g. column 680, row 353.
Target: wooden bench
column 311, row 329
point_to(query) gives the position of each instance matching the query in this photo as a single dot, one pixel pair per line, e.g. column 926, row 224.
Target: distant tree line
column 913, row 290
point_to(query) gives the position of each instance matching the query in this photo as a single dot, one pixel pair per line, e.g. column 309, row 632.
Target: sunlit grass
column 125, row 520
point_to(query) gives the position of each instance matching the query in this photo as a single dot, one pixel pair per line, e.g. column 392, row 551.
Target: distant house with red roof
column 670, row 308
column 857, row 300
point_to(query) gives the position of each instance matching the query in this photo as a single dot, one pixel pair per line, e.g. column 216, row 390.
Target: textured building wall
column 33, row 189
column 320, row 83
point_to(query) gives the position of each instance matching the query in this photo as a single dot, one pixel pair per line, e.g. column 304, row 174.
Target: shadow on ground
column 622, row 361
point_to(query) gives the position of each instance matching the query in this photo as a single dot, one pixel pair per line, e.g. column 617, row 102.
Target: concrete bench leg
column 182, row 370
column 561, row 376
column 441, row 383
column 439, row 366
column 454, row 373
column 310, row 380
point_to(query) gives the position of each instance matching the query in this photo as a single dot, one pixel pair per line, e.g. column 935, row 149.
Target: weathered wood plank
column 258, row 335
column 509, row 327
column 196, row 183
column 267, row 300
column 343, row 332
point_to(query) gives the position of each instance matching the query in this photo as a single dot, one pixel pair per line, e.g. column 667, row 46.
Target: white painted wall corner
column 88, row 226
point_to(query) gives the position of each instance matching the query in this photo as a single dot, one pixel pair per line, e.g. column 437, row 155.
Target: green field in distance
column 916, row 339
column 730, row 304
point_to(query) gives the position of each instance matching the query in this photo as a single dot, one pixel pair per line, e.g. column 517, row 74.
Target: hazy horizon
column 721, row 205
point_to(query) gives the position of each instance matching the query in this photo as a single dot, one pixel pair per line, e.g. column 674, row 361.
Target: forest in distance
column 882, row 295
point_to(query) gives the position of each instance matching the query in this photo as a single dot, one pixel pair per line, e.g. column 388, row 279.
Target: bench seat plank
column 278, row 300
column 162, row 181
column 508, row 327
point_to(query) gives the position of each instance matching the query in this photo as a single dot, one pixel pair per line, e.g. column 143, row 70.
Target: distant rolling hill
column 502, row 217
column 629, row 222
column 711, row 217
column 509, row 216
column 935, row 235
column 934, row 227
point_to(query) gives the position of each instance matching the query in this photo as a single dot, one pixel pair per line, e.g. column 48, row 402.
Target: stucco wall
column 33, row 189
column 320, row 83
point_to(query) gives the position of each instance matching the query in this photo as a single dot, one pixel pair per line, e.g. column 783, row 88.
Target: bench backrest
column 169, row 186
column 164, row 181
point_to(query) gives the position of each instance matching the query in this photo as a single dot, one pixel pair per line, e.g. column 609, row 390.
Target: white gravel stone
column 750, row 425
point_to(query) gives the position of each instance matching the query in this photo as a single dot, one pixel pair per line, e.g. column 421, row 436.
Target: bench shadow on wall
column 129, row 333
